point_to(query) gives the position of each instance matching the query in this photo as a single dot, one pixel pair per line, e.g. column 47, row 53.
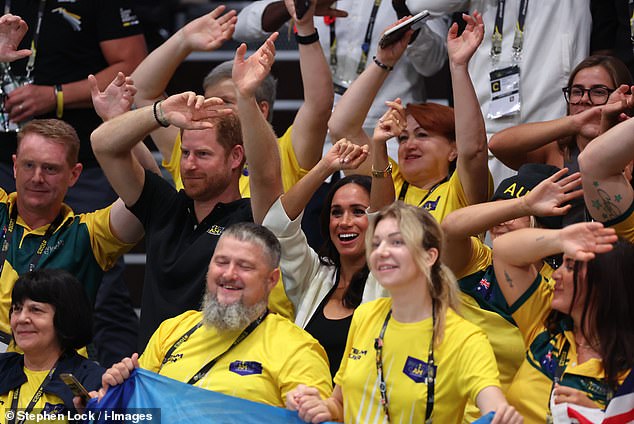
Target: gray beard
column 233, row 317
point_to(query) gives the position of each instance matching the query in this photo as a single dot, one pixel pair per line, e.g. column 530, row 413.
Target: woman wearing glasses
column 409, row 357
column 596, row 94
column 596, row 81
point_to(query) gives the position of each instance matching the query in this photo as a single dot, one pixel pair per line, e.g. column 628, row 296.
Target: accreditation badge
column 505, row 92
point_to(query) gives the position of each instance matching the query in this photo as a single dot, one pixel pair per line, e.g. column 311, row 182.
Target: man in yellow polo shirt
column 234, row 346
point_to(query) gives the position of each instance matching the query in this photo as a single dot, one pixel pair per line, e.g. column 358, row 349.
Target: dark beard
column 231, row 317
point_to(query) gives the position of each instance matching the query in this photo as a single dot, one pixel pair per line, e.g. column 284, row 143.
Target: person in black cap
column 533, row 197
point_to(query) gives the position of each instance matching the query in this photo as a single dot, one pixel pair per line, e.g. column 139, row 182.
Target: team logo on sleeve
column 54, row 408
column 128, row 18
column 418, row 370
column 245, row 367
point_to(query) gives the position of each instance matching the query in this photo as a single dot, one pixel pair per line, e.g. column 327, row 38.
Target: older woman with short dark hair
column 50, row 318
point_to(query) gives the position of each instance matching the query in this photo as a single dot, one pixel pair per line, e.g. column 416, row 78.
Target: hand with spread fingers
column 210, row 31
column 582, row 241
column 461, row 48
column 12, row 30
column 550, row 196
column 116, row 99
column 249, row 73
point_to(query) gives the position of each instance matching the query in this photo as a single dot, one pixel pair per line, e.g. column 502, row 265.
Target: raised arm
column 311, row 122
column 607, row 193
column 344, row 155
column 471, row 141
column 115, row 100
column 260, row 18
column 515, row 252
column 535, row 142
column 391, row 124
column 12, row 30
column 113, row 141
column 260, row 144
column 546, row 199
column 347, row 118
column 206, row 33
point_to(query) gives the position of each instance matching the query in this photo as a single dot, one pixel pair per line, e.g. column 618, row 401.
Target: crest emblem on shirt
column 215, row 230
column 431, row 205
column 416, row 369
column 128, row 18
column 245, row 367
column 54, row 408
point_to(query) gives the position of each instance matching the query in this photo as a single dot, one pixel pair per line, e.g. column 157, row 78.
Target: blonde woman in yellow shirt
column 409, row 357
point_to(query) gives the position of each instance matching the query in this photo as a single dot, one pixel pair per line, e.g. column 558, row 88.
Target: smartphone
column 301, row 7
column 392, row 35
column 75, row 386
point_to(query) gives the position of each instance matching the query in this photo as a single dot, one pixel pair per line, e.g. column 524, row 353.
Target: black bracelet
column 307, row 39
column 381, row 64
column 161, row 120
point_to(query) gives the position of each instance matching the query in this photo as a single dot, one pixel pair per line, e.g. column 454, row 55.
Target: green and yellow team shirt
column 264, row 367
column 465, row 365
column 531, row 389
column 624, row 225
column 440, row 201
column 82, row 245
column 48, row 403
column 291, row 171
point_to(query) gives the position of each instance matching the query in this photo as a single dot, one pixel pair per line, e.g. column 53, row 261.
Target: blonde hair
column 421, row 232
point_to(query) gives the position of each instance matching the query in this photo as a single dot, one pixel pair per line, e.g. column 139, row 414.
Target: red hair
column 435, row 118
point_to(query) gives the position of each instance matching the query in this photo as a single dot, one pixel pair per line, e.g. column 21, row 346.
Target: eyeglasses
column 598, row 95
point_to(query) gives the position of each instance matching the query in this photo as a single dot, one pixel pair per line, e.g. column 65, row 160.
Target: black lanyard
column 7, row 236
column 36, row 397
column 205, row 369
column 403, row 192
column 36, row 35
column 498, row 29
column 365, row 47
column 430, row 380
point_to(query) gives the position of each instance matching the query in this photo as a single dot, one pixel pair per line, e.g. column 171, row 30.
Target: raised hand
column 189, row 111
column 583, row 240
column 614, row 111
column 248, row 74
column 210, row 31
column 308, row 16
column 12, row 30
column 392, row 53
column 547, row 198
column 345, row 155
column 392, row 123
column 461, row 48
column 116, row 99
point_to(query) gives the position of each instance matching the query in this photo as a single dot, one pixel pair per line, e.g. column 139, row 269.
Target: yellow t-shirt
column 464, row 359
column 530, row 390
column 624, row 225
column 264, row 367
column 291, row 171
column 440, row 201
column 47, row 402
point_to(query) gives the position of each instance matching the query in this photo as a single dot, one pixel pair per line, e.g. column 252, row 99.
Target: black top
column 178, row 249
column 330, row 333
column 68, row 50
